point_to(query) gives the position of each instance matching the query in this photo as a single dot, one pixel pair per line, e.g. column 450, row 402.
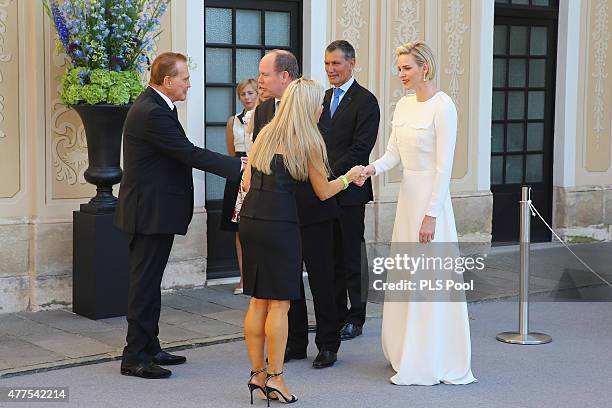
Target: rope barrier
column 534, row 212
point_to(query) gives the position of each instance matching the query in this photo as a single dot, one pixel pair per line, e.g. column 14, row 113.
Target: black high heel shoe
column 253, row 387
column 279, row 395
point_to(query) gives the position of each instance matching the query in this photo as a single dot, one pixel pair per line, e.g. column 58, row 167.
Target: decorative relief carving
column 2, row 134
column 10, row 137
column 454, row 55
column 406, row 29
column 406, row 25
column 352, row 22
column 455, row 28
column 3, row 56
column 69, row 145
column 600, row 74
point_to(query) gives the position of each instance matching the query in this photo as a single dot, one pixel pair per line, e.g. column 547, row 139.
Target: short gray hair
column 344, row 46
column 286, row 61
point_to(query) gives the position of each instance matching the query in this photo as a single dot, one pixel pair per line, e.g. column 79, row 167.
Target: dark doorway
column 237, row 34
column 524, row 65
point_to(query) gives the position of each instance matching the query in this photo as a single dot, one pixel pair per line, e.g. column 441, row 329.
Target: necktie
column 335, row 101
column 175, row 112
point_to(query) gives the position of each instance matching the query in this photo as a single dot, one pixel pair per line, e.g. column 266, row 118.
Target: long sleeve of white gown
column 445, row 127
column 391, row 158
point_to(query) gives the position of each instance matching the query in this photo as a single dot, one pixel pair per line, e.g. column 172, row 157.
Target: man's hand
column 354, row 173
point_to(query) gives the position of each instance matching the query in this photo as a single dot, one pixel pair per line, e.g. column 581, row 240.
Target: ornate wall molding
column 69, row 145
column 453, row 55
column 598, row 107
column 10, row 137
column 455, row 28
column 407, row 24
column 2, row 133
column 600, row 46
column 4, row 57
column 405, row 29
column 352, row 21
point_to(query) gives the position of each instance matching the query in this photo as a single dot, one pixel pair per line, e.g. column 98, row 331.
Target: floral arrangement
column 107, row 43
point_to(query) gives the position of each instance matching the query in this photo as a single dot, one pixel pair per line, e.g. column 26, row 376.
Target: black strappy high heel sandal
column 281, row 397
column 253, row 387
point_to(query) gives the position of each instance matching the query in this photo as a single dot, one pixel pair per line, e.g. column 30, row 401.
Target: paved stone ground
column 39, row 341
column 572, row 371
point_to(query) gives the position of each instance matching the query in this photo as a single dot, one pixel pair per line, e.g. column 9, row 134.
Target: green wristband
column 345, row 182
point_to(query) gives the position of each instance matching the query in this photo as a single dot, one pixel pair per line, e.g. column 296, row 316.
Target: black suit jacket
column 263, row 114
column 156, row 193
column 352, row 136
column 311, row 210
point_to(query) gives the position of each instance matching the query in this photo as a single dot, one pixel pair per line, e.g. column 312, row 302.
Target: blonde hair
column 251, row 125
column 244, row 83
column 423, row 54
column 294, row 131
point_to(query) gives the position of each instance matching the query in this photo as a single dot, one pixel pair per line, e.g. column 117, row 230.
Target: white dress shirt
column 345, row 87
column 165, row 98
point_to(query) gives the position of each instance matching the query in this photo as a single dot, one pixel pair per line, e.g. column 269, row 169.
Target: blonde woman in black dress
column 288, row 150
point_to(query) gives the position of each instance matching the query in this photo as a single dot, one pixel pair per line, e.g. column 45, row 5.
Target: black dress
column 270, row 235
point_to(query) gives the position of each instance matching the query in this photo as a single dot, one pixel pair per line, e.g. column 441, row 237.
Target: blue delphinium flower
column 60, row 24
column 112, row 35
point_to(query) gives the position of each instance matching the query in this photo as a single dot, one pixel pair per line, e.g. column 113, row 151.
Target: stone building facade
column 43, row 149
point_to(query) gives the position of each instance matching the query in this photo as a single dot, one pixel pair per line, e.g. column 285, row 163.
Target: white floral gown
column 426, row 342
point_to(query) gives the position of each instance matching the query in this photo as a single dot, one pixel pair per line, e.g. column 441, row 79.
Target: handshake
column 359, row 174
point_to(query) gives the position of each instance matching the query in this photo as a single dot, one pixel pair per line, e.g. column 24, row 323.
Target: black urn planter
column 103, row 128
column 100, row 272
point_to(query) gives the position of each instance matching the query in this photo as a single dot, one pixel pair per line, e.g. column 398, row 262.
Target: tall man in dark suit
column 276, row 70
column 156, row 202
column 355, row 116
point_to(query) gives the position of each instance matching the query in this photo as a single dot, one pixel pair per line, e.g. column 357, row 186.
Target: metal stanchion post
column 523, row 336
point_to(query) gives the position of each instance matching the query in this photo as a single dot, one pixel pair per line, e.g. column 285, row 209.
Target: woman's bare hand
column 354, row 173
column 428, row 229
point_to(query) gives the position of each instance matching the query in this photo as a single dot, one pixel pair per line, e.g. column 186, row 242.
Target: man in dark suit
column 156, row 202
column 355, row 116
column 276, row 70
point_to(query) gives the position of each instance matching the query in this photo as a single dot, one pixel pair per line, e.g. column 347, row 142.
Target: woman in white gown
column 425, row 342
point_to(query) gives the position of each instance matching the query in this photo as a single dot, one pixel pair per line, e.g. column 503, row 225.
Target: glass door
column 237, row 34
column 524, row 63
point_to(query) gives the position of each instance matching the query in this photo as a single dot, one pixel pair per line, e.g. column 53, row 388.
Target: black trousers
column 148, row 258
column 317, row 252
column 351, row 263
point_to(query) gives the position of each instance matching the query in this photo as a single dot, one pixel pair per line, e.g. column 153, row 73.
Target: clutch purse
column 239, row 199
